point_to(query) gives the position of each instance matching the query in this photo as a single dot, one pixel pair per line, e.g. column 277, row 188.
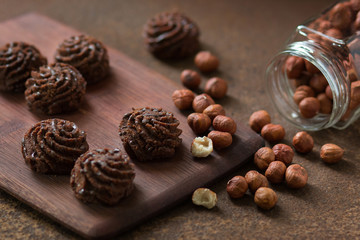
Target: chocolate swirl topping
column 150, row 133
column 102, row 175
column 55, row 89
column 87, row 55
column 171, row 35
column 52, row 146
column 17, row 60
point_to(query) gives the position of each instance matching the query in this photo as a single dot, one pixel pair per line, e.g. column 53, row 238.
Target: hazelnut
column 309, row 107
column 265, row 198
column 263, row 157
column 294, row 66
column 302, row 92
column 275, row 173
column 334, row 33
column 325, row 103
column 351, row 73
column 206, row 62
column 340, row 16
column 255, row 180
column 201, row 147
column 216, row 87
column 273, row 132
column 204, row 197
column 199, row 122
column 328, row 92
column 214, row 110
column 296, row 176
column 283, row 153
column 183, row 98
column 190, row 79
column 220, row 139
column 355, row 91
column 237, row 187
column 303, row 142
column 201, row 102
column 331, row 153
column 303, row 79
column 259, row 119
column 318, row 82
column 311, row 68
column 224, row 124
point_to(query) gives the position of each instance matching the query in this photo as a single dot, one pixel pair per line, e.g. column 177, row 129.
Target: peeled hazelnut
column 309, row 107
column 265, row 198
column 340, row 16
column 255, row 180
column 206, row 62
column 296, row 176
column 224, row 124
column 294, row 66
column 201, row 102
column 216, row 87
column 220, row 139
column 302, row 92
column 318, row 82
column 237, row 187
column 273, row 132
column 201, row 147
column 303, row 142
column 328, row 92
column 259, row 119
column 204, row 197
column 275, row 173
column 283, row 153
column 199, row 122
column 325, row 103
column 331, row 153
column 311, row 68
column 263, row 157
column 183, row 98
column 190, row 79
column 214, row 110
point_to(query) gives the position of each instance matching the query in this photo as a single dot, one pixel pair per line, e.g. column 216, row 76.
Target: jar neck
column 281, row 91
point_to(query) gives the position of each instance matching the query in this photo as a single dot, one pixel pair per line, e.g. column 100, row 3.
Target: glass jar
column 314, row 81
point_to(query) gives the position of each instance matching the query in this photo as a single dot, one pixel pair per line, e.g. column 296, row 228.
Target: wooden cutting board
column 158, row 185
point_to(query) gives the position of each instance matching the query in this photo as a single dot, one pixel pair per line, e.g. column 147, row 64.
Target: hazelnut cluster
column 207, row 113
column 260, row 122
column 312, row 94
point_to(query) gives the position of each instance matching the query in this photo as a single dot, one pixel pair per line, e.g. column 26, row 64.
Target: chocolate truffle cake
column 17, row 60
column 87, row 55
column 52, row 146
column 150, row 133
column 102, row 175
column 171, row 35
column 55, row 89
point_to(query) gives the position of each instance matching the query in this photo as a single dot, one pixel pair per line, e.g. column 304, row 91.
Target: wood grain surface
column 158, row 185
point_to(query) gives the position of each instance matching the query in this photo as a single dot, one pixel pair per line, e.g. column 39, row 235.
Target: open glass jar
column 314, row 81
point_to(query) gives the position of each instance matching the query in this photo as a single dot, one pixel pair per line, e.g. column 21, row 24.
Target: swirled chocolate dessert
column 171, row 35
column 55, row 89
column 86, row 54
column 52, row 146
column 102, row 175
column 150, row 133
column 17, row 60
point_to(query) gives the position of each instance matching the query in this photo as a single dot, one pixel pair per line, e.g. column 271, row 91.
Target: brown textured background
column 245, row 35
